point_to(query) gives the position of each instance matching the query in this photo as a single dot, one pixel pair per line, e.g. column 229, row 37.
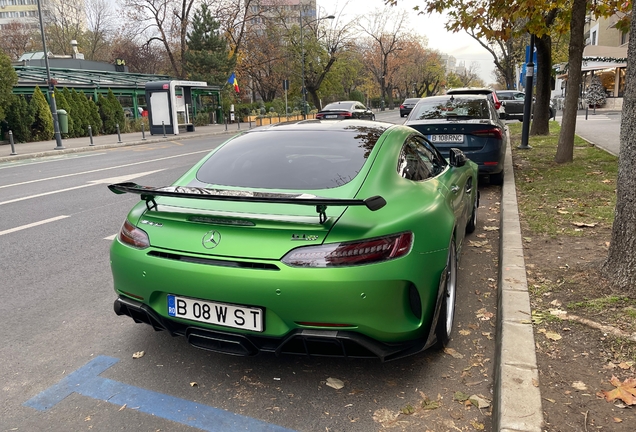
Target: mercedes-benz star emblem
column 211, row 239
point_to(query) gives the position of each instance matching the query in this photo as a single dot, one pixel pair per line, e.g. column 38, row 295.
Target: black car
column 513, row 102
column 407, row 106
column 345, row 110
column 467, row 122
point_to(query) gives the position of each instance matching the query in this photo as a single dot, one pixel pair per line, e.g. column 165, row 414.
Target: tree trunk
column 541, row 112
column 620, row 266
column 565, row 149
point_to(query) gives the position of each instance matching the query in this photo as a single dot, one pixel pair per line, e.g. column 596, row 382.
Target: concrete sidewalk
column 76, row 145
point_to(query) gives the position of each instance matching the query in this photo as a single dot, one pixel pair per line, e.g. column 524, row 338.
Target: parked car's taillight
column 351, row 253
column 319, row 116
column 133, row 236
column 347, row 115
column 491, row 133
column 401, row 106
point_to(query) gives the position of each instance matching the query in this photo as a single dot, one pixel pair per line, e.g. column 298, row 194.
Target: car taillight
column 347, row 115
column 133, row 236
column 319, row 116
column 351, row 253
column 491, row 133
column 401, row 106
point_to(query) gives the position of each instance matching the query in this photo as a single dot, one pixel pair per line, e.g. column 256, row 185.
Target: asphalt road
column 58, row 220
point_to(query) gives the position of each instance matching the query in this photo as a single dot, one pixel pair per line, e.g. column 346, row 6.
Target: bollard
column 143, row 133
column 238, row 122
column 586, row 109
column 13, row 153
column 250, row 120
column 225, row 121
column 163, row 126
column 118, row 134
column 90, row 135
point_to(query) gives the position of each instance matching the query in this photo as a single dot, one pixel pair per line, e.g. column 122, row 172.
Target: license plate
column 331, row 116
column 452, row 138
column 223, row 314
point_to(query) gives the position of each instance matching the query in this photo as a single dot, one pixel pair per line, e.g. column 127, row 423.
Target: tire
column 497, row 179
column 472, row 222
column 444, row 327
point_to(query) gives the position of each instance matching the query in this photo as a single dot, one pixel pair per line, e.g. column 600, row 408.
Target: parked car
column 467, row 122
column 336, row 238
column 513, row 102
column 490, row 93
column 345, row 110
column 407, row 106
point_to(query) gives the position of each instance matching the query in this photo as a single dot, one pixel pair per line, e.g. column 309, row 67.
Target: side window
column 416, row 162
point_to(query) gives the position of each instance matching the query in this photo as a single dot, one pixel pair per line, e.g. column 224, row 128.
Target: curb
column 517, row 398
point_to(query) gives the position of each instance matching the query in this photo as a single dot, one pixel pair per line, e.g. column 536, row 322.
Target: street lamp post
column 302, row 54
column 51, row 87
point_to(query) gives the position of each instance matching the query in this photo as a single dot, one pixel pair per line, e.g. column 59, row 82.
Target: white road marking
column 102, row 169
column 34, row 161
column 110, row 180
column 31, row 225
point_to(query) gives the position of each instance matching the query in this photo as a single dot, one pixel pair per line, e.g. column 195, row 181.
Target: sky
column 460, row 45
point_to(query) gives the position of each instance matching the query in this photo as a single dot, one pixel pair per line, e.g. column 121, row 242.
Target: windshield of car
column 452, row 107
column 338, row 106
column 291, row 159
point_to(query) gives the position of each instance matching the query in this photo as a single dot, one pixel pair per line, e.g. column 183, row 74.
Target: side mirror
column 457, row 158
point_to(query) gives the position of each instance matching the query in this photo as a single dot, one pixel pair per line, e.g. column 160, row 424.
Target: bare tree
column 101, row 19
column 165, row 21
column 17, row 38
column 387, row 31
column 64, row 23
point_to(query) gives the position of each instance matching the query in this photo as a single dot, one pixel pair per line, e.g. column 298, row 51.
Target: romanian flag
column 232, row 80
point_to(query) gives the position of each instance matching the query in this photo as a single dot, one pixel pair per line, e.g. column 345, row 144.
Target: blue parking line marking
column 87, row 382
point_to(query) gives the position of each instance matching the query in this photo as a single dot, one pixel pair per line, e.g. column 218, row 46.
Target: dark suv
column 407, row 106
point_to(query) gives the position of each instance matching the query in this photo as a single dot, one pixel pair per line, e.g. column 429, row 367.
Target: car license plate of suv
column 223, row 314
column 452, row 138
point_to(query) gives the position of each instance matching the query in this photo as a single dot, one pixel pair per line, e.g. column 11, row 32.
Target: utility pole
column 51, row 87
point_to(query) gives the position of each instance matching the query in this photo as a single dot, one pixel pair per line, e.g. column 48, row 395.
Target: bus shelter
column 170, row 106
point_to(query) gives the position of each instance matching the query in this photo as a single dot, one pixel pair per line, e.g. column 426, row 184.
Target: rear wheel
column 444, row 326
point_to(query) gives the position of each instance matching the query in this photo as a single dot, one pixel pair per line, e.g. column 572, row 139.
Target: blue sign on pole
column 522, row 77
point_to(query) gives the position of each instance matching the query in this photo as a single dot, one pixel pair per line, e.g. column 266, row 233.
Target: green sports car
column 336, row 238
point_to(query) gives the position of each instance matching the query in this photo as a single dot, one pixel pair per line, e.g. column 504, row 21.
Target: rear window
column 338, row 106
column 291, row 159
column 412, row 101
column 451, row 107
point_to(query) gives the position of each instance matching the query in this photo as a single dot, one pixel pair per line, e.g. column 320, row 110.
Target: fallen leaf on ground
column 477, row 425
column 484, row 315
column 139, row 354
column 479, row 401
column 335, row 383
column 465, row 332
column 617, row 420
column 552, row 336
column 563, row 212
column 477, row 244
column 383, row 415
column 460, row 396
column 626, row 365
column 453, row 353
column 194, row 384
column 491, row 228
column 428, row 404
column 584, row 225
column 625, row 391
column 579, row 385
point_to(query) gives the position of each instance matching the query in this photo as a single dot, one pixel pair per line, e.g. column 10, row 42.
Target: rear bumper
column 299, row 342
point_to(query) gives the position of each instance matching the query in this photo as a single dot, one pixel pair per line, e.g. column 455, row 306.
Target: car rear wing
column 149, row 193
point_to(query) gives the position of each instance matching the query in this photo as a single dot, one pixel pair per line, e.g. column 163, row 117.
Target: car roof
column 470, row 90
column 412, row 99
column 334, row 125
column 457, row 96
